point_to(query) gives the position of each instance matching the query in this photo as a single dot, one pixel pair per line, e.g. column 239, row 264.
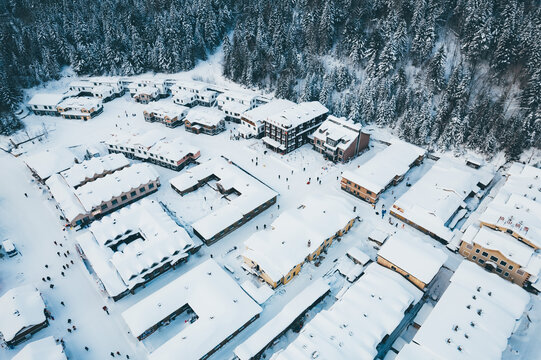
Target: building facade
column 289, row 129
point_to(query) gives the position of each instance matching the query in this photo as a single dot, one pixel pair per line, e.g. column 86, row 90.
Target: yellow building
column 276, row 254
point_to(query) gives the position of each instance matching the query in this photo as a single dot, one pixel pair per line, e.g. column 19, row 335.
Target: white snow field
column 30, row 219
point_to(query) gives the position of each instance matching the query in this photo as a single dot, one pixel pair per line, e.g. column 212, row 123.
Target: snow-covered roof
column 259, row 291
column 338, row 129
column 164, row 109
column 517, row 206
column 205, row 116
column 261, row 113
column 252, row 194
column 143, row 139
column 280, row 322
column 423, row 313
column 43, row 349
column 358, row 255
column 376, row 174
column 474, row 317
column 96, row 166
column 412, row 351
column 147, row 90
column 46, row 99
column 78, row 103
column 102, row 89
column 508, row 246
column 235, row 108
column 192, row 85
column 284, row 244
column 432, row 201
column 48, row 162
column 103, row 189
column 294, row 116
column 183, row 96
column 220, row 304
column 378, row 235
column 20, row 308
column 121, row 264
column 174, row 149
column 65, row 196
column 354, row 326
column 81, row 83
column 237, row 96
column 413, row 255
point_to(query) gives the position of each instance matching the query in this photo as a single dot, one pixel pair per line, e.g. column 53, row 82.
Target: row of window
column 114, row 202
column 494, row 258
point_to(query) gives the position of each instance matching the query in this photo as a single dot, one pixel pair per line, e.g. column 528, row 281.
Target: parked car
column 9, row 248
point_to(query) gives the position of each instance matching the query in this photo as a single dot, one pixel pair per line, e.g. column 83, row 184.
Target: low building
column 298, row 235
column 104, row 88
column 202, row 120
column 185, row 98
column 249, row 197
column 472, row 320
column 413, row 258
column 289, row 129
column 234, row 103
column 45, row 163
column 340, row 140
column 290, row 314
column 103, row 195
column 252, row 122
column 387, row 168
column 94, row 168
column 128, row 248
column 353, row 327
column 80, row 108
column 45, row 103
column 148, row 86
column 151, row 146
column 81, row 87
column 146, row 94
column 170, row 115
column 207, row 300
column 437, row 203
column 203, row 94
column 44, row 349
column 22, row 313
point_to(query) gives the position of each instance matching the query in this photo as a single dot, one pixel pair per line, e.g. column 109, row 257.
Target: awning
column 273, row 143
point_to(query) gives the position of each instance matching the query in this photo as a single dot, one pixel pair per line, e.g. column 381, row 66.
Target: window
column 474, row 257
column 142, row 190
column 520, row 272
column 469, row 246
column 114, row 202
column 477, row 251
column 133, row 193
column 481, row 261
column 510, row 267
column 104, row 206
column 499, row 271
column 494, row 258
column 123, row 198
column 151, row 186
column 485, row 254
column 506, row 274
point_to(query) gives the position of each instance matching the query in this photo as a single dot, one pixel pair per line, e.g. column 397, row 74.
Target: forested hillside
column 443, row 73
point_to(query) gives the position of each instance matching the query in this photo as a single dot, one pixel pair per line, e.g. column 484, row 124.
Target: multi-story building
column 152, row 146
column 211, row 303
column 146, row 90
column 166, row 113
column 509, row 240
column 290, row 128
column 80, row 108
column 104, row 88
column 104, row 195
column 247, row 197
column 203, row 94
column 138, row 243
column 339, row 139
column 252, row 122
column 387, row 168
column 438, row 202
column 234, row 104
column 94, row 168
column 297, row 236
column 205, row 120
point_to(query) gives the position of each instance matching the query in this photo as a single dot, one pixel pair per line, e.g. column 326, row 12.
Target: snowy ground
column 34, row 225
